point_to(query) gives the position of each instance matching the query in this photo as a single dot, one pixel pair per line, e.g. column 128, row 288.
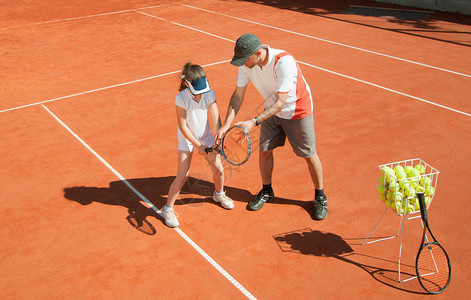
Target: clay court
column 88, row 140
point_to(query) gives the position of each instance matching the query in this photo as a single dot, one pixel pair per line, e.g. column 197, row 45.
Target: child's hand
column 202, row 149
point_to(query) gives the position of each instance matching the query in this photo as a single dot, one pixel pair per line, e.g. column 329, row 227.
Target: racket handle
column 423, row 206
column 209, row 149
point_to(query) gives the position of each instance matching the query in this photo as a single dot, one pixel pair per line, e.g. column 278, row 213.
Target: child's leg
column 184, row 162
column 219, row 194
column 215, row 163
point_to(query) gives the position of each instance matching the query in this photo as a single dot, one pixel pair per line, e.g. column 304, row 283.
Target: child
column 193, row 103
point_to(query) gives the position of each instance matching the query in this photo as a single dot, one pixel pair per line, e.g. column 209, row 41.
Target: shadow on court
column 329, row 245
column 195, row 192
column 421, row 22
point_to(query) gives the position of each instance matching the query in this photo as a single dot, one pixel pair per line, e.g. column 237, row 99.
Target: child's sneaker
column 225, row 201
column 170, row 216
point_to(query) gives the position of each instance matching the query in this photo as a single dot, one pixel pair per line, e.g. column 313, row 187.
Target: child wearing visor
column 195, row 102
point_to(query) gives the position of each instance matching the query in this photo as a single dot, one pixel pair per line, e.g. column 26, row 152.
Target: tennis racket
column 235, row 146
column 432, row 264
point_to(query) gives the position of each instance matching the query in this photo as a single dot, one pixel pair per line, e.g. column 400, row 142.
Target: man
column 288, row 113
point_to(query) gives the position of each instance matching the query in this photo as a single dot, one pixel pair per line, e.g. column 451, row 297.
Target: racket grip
column 423, row 206
column 209, row 149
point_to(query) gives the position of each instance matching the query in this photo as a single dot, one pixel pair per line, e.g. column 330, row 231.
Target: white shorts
column 186, row 145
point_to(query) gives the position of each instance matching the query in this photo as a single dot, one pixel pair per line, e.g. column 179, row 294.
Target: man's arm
column 267, row 113
column 234, row 106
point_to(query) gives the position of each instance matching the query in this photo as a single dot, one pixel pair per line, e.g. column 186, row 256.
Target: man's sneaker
column 261, row 199
column 170, row 217
column 320, row 209
column 225, row 201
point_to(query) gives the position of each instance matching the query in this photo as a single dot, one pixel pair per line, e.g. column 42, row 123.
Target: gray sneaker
column 320, row 209
column 261, row 199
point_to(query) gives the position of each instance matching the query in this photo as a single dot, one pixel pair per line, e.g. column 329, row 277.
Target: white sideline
column 143, row 198
column 85, row 17
column 331, row 42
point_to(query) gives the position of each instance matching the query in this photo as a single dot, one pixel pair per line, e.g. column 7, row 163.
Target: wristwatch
column 257, row 121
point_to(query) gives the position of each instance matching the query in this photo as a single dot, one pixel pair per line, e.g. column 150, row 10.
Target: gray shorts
column 300, row 135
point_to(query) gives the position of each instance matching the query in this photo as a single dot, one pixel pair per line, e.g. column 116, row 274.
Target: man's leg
column 266, row 163
column 317, row 177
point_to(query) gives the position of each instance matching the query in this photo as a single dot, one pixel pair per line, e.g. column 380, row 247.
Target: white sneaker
column 225, row 201
column 170, row 217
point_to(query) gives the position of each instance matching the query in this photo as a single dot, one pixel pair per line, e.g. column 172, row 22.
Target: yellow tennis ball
column 387, row 172
column 410, row 208
column 420, row 168
column 395, row 196
column 425, row 181
column 398, row 169
column 401, row 175
column 410, row 191
column 420, row 189
column 394, row 186
column 429, row 191
column 413, row 173
column 407, row 169
column 403, row 184
column 417, row 206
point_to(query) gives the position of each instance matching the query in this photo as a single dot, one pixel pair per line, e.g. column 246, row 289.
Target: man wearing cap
column 287, row 114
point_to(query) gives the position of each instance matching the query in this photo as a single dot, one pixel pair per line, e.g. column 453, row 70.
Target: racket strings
column 433, row 268
column 236, row 146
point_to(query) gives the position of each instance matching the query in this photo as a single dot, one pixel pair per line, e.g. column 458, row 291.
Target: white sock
column 219, row 193
column 166, row 208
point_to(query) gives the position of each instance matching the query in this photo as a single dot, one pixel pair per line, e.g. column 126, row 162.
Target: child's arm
column 213, row 109
column 181, row 120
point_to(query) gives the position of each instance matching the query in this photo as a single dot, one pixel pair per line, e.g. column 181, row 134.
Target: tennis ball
column 387, row 172
column 420, row 168
column 410, row 208
column 410, row 191
column 429, row 191
column 414, row 182
column 388, row 204
column 403, row 184
column 420, row 189
column 401, row 175
column 398, row 169
column 394, row 186
column 425, row 181
column 417, row 206
column 407, row 169
column 396, row 196
column 413, row 173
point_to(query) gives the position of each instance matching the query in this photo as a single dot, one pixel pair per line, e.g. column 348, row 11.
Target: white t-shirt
column 196, row 118
column 281, row 74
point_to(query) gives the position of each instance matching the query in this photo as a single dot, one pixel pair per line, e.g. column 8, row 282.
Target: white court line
column 332, row 42
column 85, row 17
column 332, row 72
column 102, row 89
column 143, row 198
column 152, row 77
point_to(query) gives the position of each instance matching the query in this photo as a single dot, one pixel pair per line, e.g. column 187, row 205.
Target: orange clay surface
column 384, row 91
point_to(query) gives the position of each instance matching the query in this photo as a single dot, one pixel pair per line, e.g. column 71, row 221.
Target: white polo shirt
column 196, row 118
column 281, row 74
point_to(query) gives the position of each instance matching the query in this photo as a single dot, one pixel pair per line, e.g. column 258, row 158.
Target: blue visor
column 198, row 86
